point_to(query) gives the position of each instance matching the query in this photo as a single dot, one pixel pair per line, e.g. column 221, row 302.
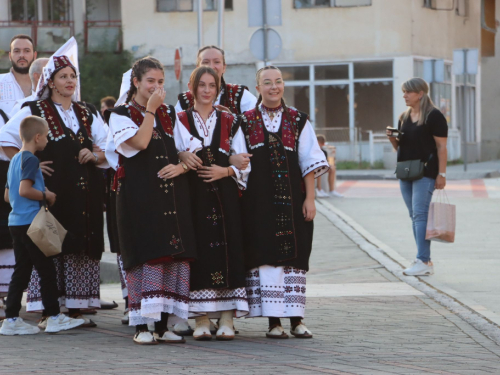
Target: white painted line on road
column 482, row 319
column 387, row 289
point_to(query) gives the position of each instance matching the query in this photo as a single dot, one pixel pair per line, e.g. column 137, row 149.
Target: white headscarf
column 124, row 88
column 66, row 55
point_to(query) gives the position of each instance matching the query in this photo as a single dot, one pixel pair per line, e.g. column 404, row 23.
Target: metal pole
column 264, row 22
column 200, row 23
column 221, row 23
column 464, row 103
column 180, row 77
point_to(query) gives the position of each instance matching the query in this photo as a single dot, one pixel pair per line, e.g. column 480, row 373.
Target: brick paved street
column 364, row 320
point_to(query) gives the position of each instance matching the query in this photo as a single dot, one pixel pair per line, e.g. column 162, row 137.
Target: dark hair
column 196, row 75
column 222, row 81
column 31, row 126
column 53, row 75
column 141, row 67
column 110, row 101
column 22, row 36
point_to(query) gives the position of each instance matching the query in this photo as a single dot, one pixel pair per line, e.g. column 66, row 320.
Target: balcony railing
column 47, row 36
column 103, row 36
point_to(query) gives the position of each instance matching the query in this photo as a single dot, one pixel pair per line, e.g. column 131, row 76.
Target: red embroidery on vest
column 137, row 117
column 227, row 121
column 289, row 128
column 49, row 113
column 84, row 115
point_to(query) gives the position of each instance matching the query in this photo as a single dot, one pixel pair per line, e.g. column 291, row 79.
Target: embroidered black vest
column 216, row 213
column 275, row 232
column 79, row 187
column 153, row 215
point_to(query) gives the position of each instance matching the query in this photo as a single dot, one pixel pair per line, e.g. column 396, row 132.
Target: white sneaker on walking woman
column 62, row 323
column 17, row 326
column 419, row 268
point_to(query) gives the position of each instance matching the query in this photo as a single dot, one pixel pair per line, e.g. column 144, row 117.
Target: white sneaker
column 62, row 323
column 321, row 194
column 11, row 327
column 419, row 268
column 334, row 194
column 145, row 338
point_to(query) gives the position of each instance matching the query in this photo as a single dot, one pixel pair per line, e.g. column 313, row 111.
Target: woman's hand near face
column 156, row 99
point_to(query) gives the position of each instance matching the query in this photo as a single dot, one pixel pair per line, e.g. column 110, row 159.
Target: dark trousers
column 27, row 255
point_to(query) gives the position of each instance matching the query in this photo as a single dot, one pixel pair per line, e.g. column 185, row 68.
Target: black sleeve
column 438, row 124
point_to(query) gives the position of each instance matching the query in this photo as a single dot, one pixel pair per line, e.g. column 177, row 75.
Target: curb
column 482, row 319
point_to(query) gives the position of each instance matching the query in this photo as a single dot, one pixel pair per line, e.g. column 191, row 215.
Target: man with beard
column 35, row 72
column 16, row 84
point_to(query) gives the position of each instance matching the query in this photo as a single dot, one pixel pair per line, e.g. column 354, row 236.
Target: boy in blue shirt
column 25, row 189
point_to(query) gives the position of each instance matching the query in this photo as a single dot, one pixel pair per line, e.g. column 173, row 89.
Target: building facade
column 343, row 60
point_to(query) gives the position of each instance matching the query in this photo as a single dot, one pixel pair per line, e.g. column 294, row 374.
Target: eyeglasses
column 269, row 84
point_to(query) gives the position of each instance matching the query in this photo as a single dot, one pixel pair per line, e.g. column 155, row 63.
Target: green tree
column 101, row 74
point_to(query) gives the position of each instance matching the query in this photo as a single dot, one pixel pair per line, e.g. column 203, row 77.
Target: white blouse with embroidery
column 311, row 158
column 9, row 133
column 122, row 128
column 206, row 131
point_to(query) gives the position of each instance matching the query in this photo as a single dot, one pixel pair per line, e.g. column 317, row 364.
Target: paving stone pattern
column 352, row 335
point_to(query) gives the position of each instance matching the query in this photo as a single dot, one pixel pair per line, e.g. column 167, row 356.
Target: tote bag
column 46, row 232
column 441, row 220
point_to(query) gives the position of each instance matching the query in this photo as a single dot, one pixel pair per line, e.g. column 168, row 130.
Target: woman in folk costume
column 70, row 167
column 232, row 98
column 153, row 208
column 218, row 276
column 278, row 206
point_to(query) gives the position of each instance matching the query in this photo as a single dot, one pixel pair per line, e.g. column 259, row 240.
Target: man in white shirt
column 16, row 84
column 35, row 72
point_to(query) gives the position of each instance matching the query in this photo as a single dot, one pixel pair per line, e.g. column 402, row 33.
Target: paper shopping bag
column 441, row 222
column 47, row 233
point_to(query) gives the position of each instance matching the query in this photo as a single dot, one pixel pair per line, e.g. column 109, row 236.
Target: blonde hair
column 418, row 85
column 31, row 126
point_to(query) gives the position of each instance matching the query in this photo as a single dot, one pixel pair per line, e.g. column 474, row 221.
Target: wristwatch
column 443, row 175
column 184, row 166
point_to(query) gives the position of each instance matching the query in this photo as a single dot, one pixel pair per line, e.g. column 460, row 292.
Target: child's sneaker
column 17, row 326
column 62, row 323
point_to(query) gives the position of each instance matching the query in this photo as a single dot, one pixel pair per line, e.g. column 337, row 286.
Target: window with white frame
column 304, row 4
column 189, row 5
column 342, row 95
column 440, row 92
